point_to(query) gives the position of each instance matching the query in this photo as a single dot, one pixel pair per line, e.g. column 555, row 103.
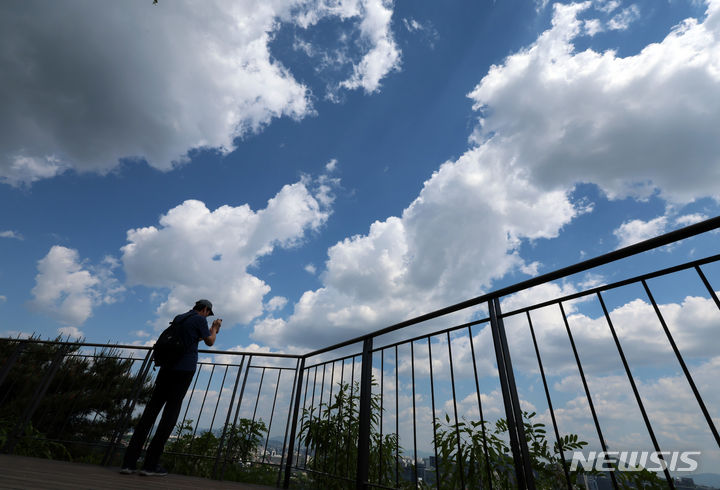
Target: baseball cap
column 204, row 304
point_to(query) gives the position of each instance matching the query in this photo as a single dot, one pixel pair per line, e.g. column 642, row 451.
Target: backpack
column 169, row 347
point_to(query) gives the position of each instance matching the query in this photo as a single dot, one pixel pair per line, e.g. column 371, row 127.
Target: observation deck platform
column 24, row 473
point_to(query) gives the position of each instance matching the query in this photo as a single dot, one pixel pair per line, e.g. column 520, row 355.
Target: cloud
column 426, row 30
column 11, row 234
column 72, row 332
column 622, row 21
column 196, row 252
column 410, row 264
column 634, row 125
column 3, row 299
column 276, row 303
column 310, row 269
column 635, row 231
column 551, row 118
column 689, row 219
column 384, row 56
column 91, row 84
column 67, row 289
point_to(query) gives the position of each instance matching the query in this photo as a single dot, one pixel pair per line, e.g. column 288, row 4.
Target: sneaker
column 127, row 471
column 157, row 471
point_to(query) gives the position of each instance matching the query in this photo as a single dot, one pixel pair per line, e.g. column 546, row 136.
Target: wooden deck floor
column 19, row 472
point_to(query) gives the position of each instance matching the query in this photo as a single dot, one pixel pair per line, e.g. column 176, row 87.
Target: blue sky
column 320, row 169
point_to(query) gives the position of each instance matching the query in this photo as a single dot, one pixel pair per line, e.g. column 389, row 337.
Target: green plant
column 196, row 455
column 32, row 443
column 330, row 433
column 477, row 454
column 485, row 457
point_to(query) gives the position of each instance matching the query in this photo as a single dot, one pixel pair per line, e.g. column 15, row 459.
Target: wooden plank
column 24, row 473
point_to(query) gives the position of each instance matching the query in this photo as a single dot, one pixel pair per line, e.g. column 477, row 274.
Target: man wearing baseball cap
column 170, row 387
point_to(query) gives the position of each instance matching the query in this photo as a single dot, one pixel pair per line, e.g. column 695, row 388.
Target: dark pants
column 170, row 389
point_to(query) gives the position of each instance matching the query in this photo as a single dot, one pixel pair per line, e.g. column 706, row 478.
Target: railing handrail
column 622, row 253
column 146, row 348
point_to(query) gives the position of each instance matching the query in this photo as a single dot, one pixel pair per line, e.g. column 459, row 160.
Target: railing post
column 513, row 412
column 293, row 427
column 363, row 460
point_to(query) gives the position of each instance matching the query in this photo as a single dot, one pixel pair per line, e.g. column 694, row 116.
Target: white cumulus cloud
column 551, row 117
column 89, row 83
column 451, row 242
column 637, row 230
column 197, row 252
column 71, row 332
column 67, row 289
column 636, row 125
column 11, row 234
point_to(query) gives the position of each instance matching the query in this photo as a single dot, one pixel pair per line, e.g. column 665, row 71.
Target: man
column 170, row 388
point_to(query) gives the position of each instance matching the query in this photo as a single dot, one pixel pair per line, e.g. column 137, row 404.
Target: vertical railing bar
column 482, row 418
column 257, row 398
column 518, row 444
column 352, row 409
column 302, row 417
column 126, row 413
column 362, row 472
column 382, row 399
column 342, row 380
column 587, row 391
column 684, row 367
column 272, row 414
column 397, row 422
column 287, row 459
column 322, row 394
column 412, row 371
column 237, row 413
column 202, row 407
column 457, row 422
column 312, row 412
column 549, row 400
column 187, row 407
column 432, row 398
column 41, row 413
column 74, row 403
column 97, row 383
column 708, row 286
column 645, row 417
column 227, row 418
column 217, row 404
column 322, row 390
column 332, row 378
column 293, row 428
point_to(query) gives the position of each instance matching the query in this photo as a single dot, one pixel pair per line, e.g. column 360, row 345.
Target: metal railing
column 430, row 401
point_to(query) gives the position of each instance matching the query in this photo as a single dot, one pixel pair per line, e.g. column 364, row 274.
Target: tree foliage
column 85, row 394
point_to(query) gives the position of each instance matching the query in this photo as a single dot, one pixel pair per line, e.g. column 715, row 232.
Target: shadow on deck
column 20, row 472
